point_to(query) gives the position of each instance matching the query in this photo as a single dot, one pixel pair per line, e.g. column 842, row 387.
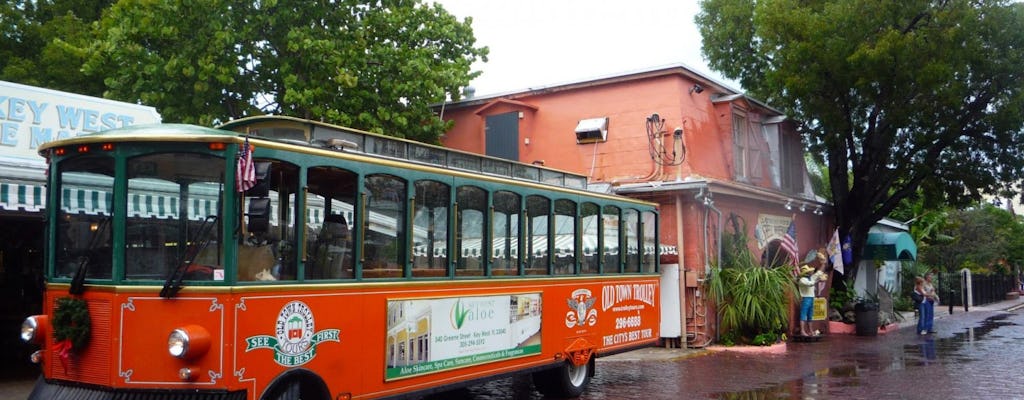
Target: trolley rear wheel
column 566, row 380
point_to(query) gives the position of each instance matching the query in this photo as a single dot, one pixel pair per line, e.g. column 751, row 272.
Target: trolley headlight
column 177, row 343
column 33, row 329
column 188, row 342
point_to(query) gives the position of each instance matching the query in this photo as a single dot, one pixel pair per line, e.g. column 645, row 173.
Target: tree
column 41, row 43
column 372, row 65
column 897, row 95
column 985, row 239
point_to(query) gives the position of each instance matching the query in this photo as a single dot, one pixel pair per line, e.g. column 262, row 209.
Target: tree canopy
column 899, row 96
column 984, row 239
column 373, row 65
column 43, row 43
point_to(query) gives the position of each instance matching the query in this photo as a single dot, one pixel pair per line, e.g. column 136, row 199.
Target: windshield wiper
column 78, row 280
column 174, row 280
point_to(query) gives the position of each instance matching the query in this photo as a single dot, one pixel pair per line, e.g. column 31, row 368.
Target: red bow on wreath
column 63, row 350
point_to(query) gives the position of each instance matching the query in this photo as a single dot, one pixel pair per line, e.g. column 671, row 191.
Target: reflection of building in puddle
column 815, row 385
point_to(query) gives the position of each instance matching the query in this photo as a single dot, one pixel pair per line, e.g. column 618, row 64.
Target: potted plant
column 866, row 319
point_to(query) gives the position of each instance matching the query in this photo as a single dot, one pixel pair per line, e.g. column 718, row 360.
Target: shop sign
column 31, row 116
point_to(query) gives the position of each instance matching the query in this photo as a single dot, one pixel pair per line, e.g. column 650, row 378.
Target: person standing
column 927, row 308
column 918, row 298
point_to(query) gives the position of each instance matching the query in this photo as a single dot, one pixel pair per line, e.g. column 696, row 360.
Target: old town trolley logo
column 294, row 341
column 581, row 309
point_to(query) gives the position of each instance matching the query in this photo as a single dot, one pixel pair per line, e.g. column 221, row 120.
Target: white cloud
column 542, row 42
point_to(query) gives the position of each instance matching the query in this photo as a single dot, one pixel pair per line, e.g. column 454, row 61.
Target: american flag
column 789, row 242
column 245, row 173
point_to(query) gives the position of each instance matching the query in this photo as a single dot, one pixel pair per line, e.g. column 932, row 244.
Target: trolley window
column 538, row 210
column 430, row 228
column 472, row 223
column 611, row 225
column 330, row 207
column 505, row 233
column 86, row 204
column 384, row 226
column 565, row 237
column 589, row 231
column 173, row 218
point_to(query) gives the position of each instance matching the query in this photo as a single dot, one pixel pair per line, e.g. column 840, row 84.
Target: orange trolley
column 278, row 258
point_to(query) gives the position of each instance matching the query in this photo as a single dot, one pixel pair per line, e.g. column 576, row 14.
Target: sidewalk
column 909, row 321
column 942, row 311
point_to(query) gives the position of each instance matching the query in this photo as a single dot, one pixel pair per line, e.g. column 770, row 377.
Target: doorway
column 21, row 289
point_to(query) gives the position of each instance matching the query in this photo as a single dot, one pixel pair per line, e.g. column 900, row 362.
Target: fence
column 982, row 289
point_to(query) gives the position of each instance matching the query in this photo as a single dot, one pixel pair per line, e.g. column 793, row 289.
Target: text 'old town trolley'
column 278, row 258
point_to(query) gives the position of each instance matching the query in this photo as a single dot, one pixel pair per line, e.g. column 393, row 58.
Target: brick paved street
column 974, row 355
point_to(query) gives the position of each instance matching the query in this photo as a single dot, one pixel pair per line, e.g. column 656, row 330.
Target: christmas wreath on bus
column 71, row 325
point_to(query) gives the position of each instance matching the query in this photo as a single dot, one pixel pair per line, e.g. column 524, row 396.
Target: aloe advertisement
column 431, row 335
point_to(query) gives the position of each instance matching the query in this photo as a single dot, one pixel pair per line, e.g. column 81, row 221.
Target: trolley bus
column 280, row 258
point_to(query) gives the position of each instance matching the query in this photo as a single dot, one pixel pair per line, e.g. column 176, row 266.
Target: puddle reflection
column 843, row 368
column 927, row 350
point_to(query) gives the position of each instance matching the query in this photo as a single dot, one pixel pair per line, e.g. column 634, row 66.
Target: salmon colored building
column 714, row 159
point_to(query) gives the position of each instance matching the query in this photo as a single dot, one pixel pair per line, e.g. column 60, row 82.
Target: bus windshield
column 171, row 216
column 86, row 207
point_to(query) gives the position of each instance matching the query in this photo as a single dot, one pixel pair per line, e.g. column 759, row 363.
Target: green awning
column 890, row 246
column 22, row 197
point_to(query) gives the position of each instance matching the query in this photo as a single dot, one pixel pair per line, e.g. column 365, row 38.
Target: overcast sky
column 543, row 42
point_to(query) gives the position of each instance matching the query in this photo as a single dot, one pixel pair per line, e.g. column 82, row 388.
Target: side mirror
column 259, row 215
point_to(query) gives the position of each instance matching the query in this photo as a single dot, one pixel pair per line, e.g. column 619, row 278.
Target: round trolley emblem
column 295, row 338
column 581, row 309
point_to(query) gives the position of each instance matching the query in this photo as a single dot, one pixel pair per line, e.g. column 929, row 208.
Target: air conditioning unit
column 592, row 130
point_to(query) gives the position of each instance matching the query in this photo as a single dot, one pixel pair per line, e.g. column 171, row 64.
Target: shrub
column 753, row 301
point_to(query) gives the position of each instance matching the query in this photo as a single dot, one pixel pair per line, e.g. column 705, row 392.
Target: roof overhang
column 891, row 246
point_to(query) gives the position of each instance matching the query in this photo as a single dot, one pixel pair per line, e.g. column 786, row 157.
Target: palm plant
column 752, row 300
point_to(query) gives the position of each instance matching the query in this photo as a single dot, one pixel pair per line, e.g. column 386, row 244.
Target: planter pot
column 866, row 319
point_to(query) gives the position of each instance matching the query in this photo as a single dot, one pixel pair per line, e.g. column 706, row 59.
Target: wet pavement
column 973, row 355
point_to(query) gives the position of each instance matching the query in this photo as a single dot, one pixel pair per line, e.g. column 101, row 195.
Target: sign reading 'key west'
column 31, row 116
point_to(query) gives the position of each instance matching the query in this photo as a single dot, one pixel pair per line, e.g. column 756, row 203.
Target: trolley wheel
column 297, row 385
column 566, row 380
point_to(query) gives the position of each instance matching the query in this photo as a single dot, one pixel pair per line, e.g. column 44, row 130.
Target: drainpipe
column 709, row 207
column 718, row 255
column 682, row 265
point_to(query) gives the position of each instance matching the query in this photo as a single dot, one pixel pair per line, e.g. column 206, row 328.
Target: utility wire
column 655, row 132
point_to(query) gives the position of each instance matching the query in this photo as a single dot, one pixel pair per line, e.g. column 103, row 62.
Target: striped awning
column 163, row 207
column 100, row 202
column 22, row 197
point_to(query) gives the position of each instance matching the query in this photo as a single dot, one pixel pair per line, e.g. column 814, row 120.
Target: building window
column 739, row 141
column 791, row 163
column 748, row 149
